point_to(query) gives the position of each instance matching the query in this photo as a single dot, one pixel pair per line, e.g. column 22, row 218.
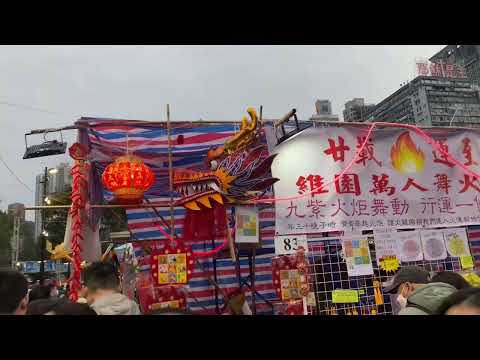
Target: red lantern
column 128, row 178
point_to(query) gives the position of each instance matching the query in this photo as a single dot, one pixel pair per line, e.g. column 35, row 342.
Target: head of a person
column 54, row 306
column 100, row 277
column 39, row 292
column 13, row 293
column 461, row 302
column 452, row 278
column 406, row 281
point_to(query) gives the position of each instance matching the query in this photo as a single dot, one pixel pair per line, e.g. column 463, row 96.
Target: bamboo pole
column 170, row 172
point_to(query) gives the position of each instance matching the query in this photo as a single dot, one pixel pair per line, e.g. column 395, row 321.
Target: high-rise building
column 463, row 55
column 59, row 180
column 18, row 210
column 356, row 110
column 431, row 101
column 323, row 111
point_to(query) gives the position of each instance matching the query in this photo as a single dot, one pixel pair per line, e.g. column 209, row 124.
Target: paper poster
column 409, row 245
column 246, row 225
column 290, row 284
column 456, row 241
column 433, row 245
column 172, row 268
column 386, row 245
column 357, row 257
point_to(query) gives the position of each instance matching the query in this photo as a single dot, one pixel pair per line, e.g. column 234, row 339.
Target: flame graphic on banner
column 406, row 157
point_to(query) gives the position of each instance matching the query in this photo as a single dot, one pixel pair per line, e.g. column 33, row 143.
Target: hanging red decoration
column 128, row 178
column 79, row 186
column 290, row 276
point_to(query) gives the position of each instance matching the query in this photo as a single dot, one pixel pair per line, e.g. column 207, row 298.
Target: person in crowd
column 103, row 291
column 40, row 292
column 13, row 293
column 463, row 302
column 56, row 306
column 452, row 278
column 82, row 294
column 471, row 306
column 416, row 295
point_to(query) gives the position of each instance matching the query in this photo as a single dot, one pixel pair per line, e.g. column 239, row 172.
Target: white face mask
column 402, row 301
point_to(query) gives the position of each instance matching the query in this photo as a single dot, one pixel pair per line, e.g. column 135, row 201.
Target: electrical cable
column 31, row 108
column 16, row 177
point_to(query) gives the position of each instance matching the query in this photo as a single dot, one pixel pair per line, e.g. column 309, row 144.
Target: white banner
column 398, row 181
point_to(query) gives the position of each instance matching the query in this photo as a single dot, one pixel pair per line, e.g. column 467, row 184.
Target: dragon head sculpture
column 239, row 171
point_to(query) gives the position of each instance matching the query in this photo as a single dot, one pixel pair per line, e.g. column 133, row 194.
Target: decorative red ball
column 128, row 178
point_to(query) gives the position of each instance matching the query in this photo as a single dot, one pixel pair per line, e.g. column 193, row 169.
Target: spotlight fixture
column 280, row 132
column 47, row 148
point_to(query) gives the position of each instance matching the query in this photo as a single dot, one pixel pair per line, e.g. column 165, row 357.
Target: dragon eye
column 214, row 165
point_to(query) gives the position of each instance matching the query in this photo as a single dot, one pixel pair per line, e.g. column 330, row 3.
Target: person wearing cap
column 415, row 294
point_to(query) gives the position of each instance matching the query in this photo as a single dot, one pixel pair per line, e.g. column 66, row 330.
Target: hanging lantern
column 128, row 178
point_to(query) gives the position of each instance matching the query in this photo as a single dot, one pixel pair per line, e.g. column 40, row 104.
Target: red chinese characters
column 443, row 183
column 436, row 69
column 444, row 156
column 347, row 184
column 367, row 154
column 450, row 70
column 422, row 69
column 467, row 152
column 312, row 183
column 461, row 72
column 380, row 185
column 468, row 183
column 411, row 182
column 337, row 152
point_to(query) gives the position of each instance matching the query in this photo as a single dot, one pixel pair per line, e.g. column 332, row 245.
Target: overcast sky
column 51, row 86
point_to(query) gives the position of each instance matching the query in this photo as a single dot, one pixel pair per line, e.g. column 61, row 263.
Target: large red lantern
column 128, row 178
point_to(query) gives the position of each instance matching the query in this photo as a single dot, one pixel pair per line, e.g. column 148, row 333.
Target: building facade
column 18, row 210
column 324, row 111
column 463, row 55
column 432, row 101
column 357, row 111
column 59, row 180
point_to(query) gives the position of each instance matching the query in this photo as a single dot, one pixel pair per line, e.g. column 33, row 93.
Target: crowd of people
column 100, row 294
column 412, row 290
column 446, row 293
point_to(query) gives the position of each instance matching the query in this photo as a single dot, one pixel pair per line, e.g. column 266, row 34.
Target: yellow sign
column 467, row 262
column 472, row 278
column 344, row 296
column 389, row 264
column 457, row 246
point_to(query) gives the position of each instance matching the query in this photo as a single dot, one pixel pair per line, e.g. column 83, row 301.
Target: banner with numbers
column 398, row 180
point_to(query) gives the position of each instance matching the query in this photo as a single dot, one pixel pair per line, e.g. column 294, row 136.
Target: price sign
column 467, row 262
column 289, row 244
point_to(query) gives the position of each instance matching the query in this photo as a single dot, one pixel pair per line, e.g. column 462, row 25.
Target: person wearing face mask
column 415, row 295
